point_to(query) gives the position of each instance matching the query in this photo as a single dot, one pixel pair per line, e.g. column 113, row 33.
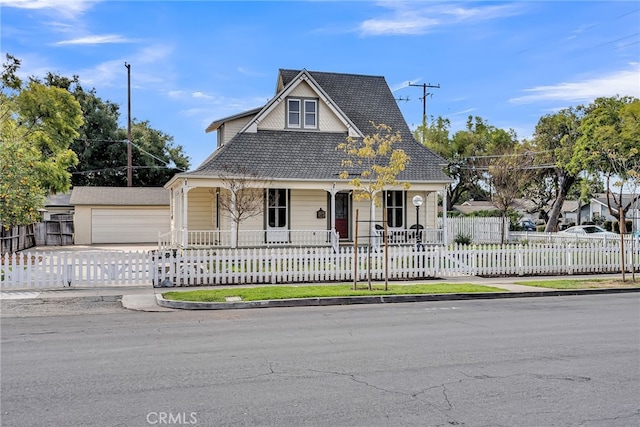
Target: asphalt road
column 558, row 361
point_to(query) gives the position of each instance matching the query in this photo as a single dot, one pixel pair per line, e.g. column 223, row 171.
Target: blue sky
column 194, row 62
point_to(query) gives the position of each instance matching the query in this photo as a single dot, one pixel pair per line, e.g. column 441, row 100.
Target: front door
column 277, row 216
column 342, row 215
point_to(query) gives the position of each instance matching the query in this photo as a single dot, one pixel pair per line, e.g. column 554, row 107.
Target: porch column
column 184, row 226
column 444, row 217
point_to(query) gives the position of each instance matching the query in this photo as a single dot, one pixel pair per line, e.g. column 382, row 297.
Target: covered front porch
column 300, row 214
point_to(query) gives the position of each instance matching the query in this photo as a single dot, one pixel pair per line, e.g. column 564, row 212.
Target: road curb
column 377, row 299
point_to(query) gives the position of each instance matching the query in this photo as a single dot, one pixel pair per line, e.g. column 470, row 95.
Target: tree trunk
column 566, row 181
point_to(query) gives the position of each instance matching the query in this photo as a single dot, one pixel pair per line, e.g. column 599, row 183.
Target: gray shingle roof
column 312, row 155
column 120, row 196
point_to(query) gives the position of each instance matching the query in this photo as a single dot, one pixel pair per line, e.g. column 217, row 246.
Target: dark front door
column 342, row 215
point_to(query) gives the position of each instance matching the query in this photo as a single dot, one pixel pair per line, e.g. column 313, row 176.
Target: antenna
column 424, row 105
column 407, row 99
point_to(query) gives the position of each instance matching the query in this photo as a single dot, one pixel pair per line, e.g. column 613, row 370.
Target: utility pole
column 424, row 105
column 129, row 165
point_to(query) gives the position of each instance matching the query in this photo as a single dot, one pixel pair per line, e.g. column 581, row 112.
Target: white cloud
column 95, row 39
column 175, row 93
column 622, row 82
column 415, row 18
column 468, row 110
column 202, row 95
column 67, row 8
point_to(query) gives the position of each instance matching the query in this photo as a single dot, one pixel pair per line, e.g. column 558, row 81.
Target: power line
column 424, row 105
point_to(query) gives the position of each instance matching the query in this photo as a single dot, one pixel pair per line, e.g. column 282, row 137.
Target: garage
column 119, row 214
column 128, row 225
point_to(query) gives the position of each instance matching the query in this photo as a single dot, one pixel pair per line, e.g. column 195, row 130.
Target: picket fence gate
column 51, row 270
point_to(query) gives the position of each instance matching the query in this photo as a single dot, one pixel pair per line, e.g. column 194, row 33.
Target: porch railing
column 202, row 239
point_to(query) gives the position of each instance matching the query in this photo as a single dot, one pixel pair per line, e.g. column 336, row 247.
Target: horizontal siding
column 201, row 209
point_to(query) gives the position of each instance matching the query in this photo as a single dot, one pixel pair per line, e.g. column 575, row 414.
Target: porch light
column 321, row 214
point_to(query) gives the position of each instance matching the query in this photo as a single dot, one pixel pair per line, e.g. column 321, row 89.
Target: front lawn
column 580, row 284
column 260, row 293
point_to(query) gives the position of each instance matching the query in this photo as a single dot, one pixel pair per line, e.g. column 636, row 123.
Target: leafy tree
column 20, row 193
column 372, row 164
column 609, row 145
column 38, row 123
column 555, row 138
column 466, row 154
column 101, row 144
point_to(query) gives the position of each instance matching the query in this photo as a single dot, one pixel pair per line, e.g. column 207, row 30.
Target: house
column 119, row 214
column 56, row 205
column 597, row 210
column 289, row 146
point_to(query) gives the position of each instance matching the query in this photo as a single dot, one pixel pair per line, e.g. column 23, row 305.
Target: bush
column 615, row 227
column 607, row 225
column 540, row 228
column 462, row 239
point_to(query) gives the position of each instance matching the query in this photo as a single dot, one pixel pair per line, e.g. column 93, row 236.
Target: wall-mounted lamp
column 320, row 214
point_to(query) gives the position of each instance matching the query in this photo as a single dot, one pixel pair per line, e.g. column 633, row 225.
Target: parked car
column 527, row 224
column 589, row 231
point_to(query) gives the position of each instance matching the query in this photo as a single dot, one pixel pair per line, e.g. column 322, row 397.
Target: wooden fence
column 58, row 231
column 42, row 270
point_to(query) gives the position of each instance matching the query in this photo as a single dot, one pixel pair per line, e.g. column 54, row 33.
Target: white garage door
column 128, row 225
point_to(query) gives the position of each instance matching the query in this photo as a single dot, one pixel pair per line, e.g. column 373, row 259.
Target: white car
column 589, row 231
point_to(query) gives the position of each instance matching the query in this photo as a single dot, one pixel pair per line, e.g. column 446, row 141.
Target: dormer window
column 302, row 113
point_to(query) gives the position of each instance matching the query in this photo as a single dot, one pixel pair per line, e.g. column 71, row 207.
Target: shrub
column 462, row 239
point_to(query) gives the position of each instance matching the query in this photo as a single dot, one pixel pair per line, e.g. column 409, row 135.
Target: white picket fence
column 478, row 229
column 54, row 270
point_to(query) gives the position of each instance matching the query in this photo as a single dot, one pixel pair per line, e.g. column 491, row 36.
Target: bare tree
column 242, row 196
column 509, row 175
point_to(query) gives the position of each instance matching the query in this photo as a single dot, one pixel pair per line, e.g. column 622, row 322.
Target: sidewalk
column 144, row 298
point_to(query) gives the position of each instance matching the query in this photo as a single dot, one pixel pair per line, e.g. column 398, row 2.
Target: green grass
column 579, row 284
column 287, row 292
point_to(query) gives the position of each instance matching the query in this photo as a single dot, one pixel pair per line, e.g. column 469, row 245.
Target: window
column 395, row 208
column 302, row 113
column 293, row 113
column 277, row 208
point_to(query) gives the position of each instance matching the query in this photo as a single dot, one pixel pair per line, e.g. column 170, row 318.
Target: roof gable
column 291, row 154
column 286, row 90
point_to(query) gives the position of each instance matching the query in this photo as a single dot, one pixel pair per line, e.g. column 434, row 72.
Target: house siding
column 232, row 127
column 201, row 210
column 327, row 120
column 304, row 208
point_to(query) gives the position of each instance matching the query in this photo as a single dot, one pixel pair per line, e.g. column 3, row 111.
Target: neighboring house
column 471, row 206
column 57, row 204
column 598, row 210
column 291, row 143
column 119, row 214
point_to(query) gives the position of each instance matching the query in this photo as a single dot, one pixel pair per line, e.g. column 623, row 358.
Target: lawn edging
column 377, row 299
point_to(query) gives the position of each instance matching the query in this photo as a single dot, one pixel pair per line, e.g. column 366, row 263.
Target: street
column 552, row 361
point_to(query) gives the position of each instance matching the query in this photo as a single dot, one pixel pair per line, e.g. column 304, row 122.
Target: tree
column 101, row 144
column 555, row 138
column 373, row 164
column 465, row 153
column 38, row 123
column 509, row 173
column 609, row 145
column 243, row 197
